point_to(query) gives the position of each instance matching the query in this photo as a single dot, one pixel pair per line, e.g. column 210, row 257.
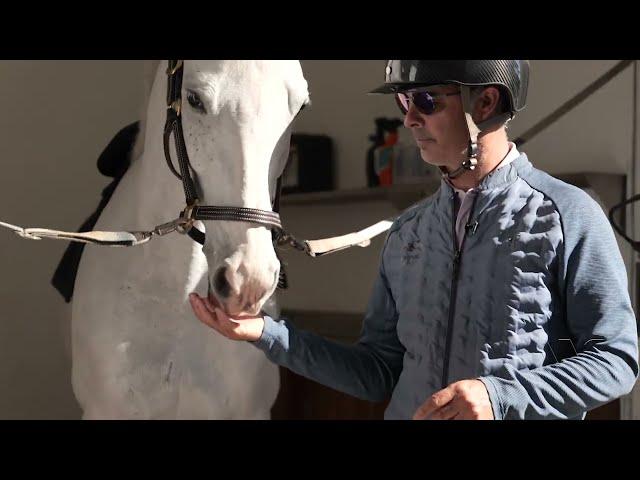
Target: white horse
column 138, row 351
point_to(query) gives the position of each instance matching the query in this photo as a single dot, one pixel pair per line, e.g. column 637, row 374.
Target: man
column 501, row 296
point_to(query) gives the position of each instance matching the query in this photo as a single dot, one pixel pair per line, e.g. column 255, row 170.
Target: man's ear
column 486, row 104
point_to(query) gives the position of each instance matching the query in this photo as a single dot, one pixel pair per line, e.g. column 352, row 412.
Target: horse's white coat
column 138, row 350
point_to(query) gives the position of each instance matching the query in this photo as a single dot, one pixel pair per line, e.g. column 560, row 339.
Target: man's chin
column 431, row 159
column 436, row 160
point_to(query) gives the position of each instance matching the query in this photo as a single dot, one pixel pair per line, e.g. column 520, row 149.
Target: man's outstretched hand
column 208, row 311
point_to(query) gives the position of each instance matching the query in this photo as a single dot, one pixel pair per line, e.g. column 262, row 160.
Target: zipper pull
column 471, row 228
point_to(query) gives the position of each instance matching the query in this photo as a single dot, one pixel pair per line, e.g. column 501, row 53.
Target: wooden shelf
column 400, row 195
column 403, row 196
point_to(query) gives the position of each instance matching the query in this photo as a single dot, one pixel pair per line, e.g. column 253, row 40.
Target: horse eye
column 195, row 102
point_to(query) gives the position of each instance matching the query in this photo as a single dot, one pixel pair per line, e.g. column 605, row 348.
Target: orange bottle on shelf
column 384, row 158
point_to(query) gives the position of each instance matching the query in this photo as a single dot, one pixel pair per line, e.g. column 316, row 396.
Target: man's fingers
column 225, row 321
column 247, row 328
column 425, row 409
column 435, row 402
column 210, row 306
column 202, row 311
column 448, row 412
column 453, row 410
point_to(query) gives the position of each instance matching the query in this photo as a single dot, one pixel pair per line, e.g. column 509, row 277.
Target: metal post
column 630, row 404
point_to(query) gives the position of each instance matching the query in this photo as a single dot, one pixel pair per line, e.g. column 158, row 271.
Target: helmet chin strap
column 474, row 129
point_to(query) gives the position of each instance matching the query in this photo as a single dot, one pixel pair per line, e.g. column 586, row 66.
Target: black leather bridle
column 194, row 211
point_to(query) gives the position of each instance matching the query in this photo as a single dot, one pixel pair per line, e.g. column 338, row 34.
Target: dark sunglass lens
column 424, row 102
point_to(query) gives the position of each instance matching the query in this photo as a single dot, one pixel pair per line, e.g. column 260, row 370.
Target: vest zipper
column 454, row 283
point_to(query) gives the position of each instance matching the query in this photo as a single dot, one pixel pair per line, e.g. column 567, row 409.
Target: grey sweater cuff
column 275, row 335
column 494, row 397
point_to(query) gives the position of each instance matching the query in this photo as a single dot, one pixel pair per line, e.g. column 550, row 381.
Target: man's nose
column 413, row 118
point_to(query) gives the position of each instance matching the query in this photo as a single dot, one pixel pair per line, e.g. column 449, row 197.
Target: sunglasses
column 423, row 100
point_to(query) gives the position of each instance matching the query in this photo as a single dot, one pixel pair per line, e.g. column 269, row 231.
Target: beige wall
column 60, row 115
column 597, row 135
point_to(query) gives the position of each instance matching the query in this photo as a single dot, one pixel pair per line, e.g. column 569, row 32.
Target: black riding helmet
column 510, row 76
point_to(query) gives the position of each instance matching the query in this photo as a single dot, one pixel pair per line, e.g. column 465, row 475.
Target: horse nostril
column 220, row 283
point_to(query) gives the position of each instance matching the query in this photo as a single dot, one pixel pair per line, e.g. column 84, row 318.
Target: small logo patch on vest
column 411, row 252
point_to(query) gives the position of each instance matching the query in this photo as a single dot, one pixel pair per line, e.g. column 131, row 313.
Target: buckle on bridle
column 177, row 66
column 185, row 222
column 283, row 238
column 176, row 106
